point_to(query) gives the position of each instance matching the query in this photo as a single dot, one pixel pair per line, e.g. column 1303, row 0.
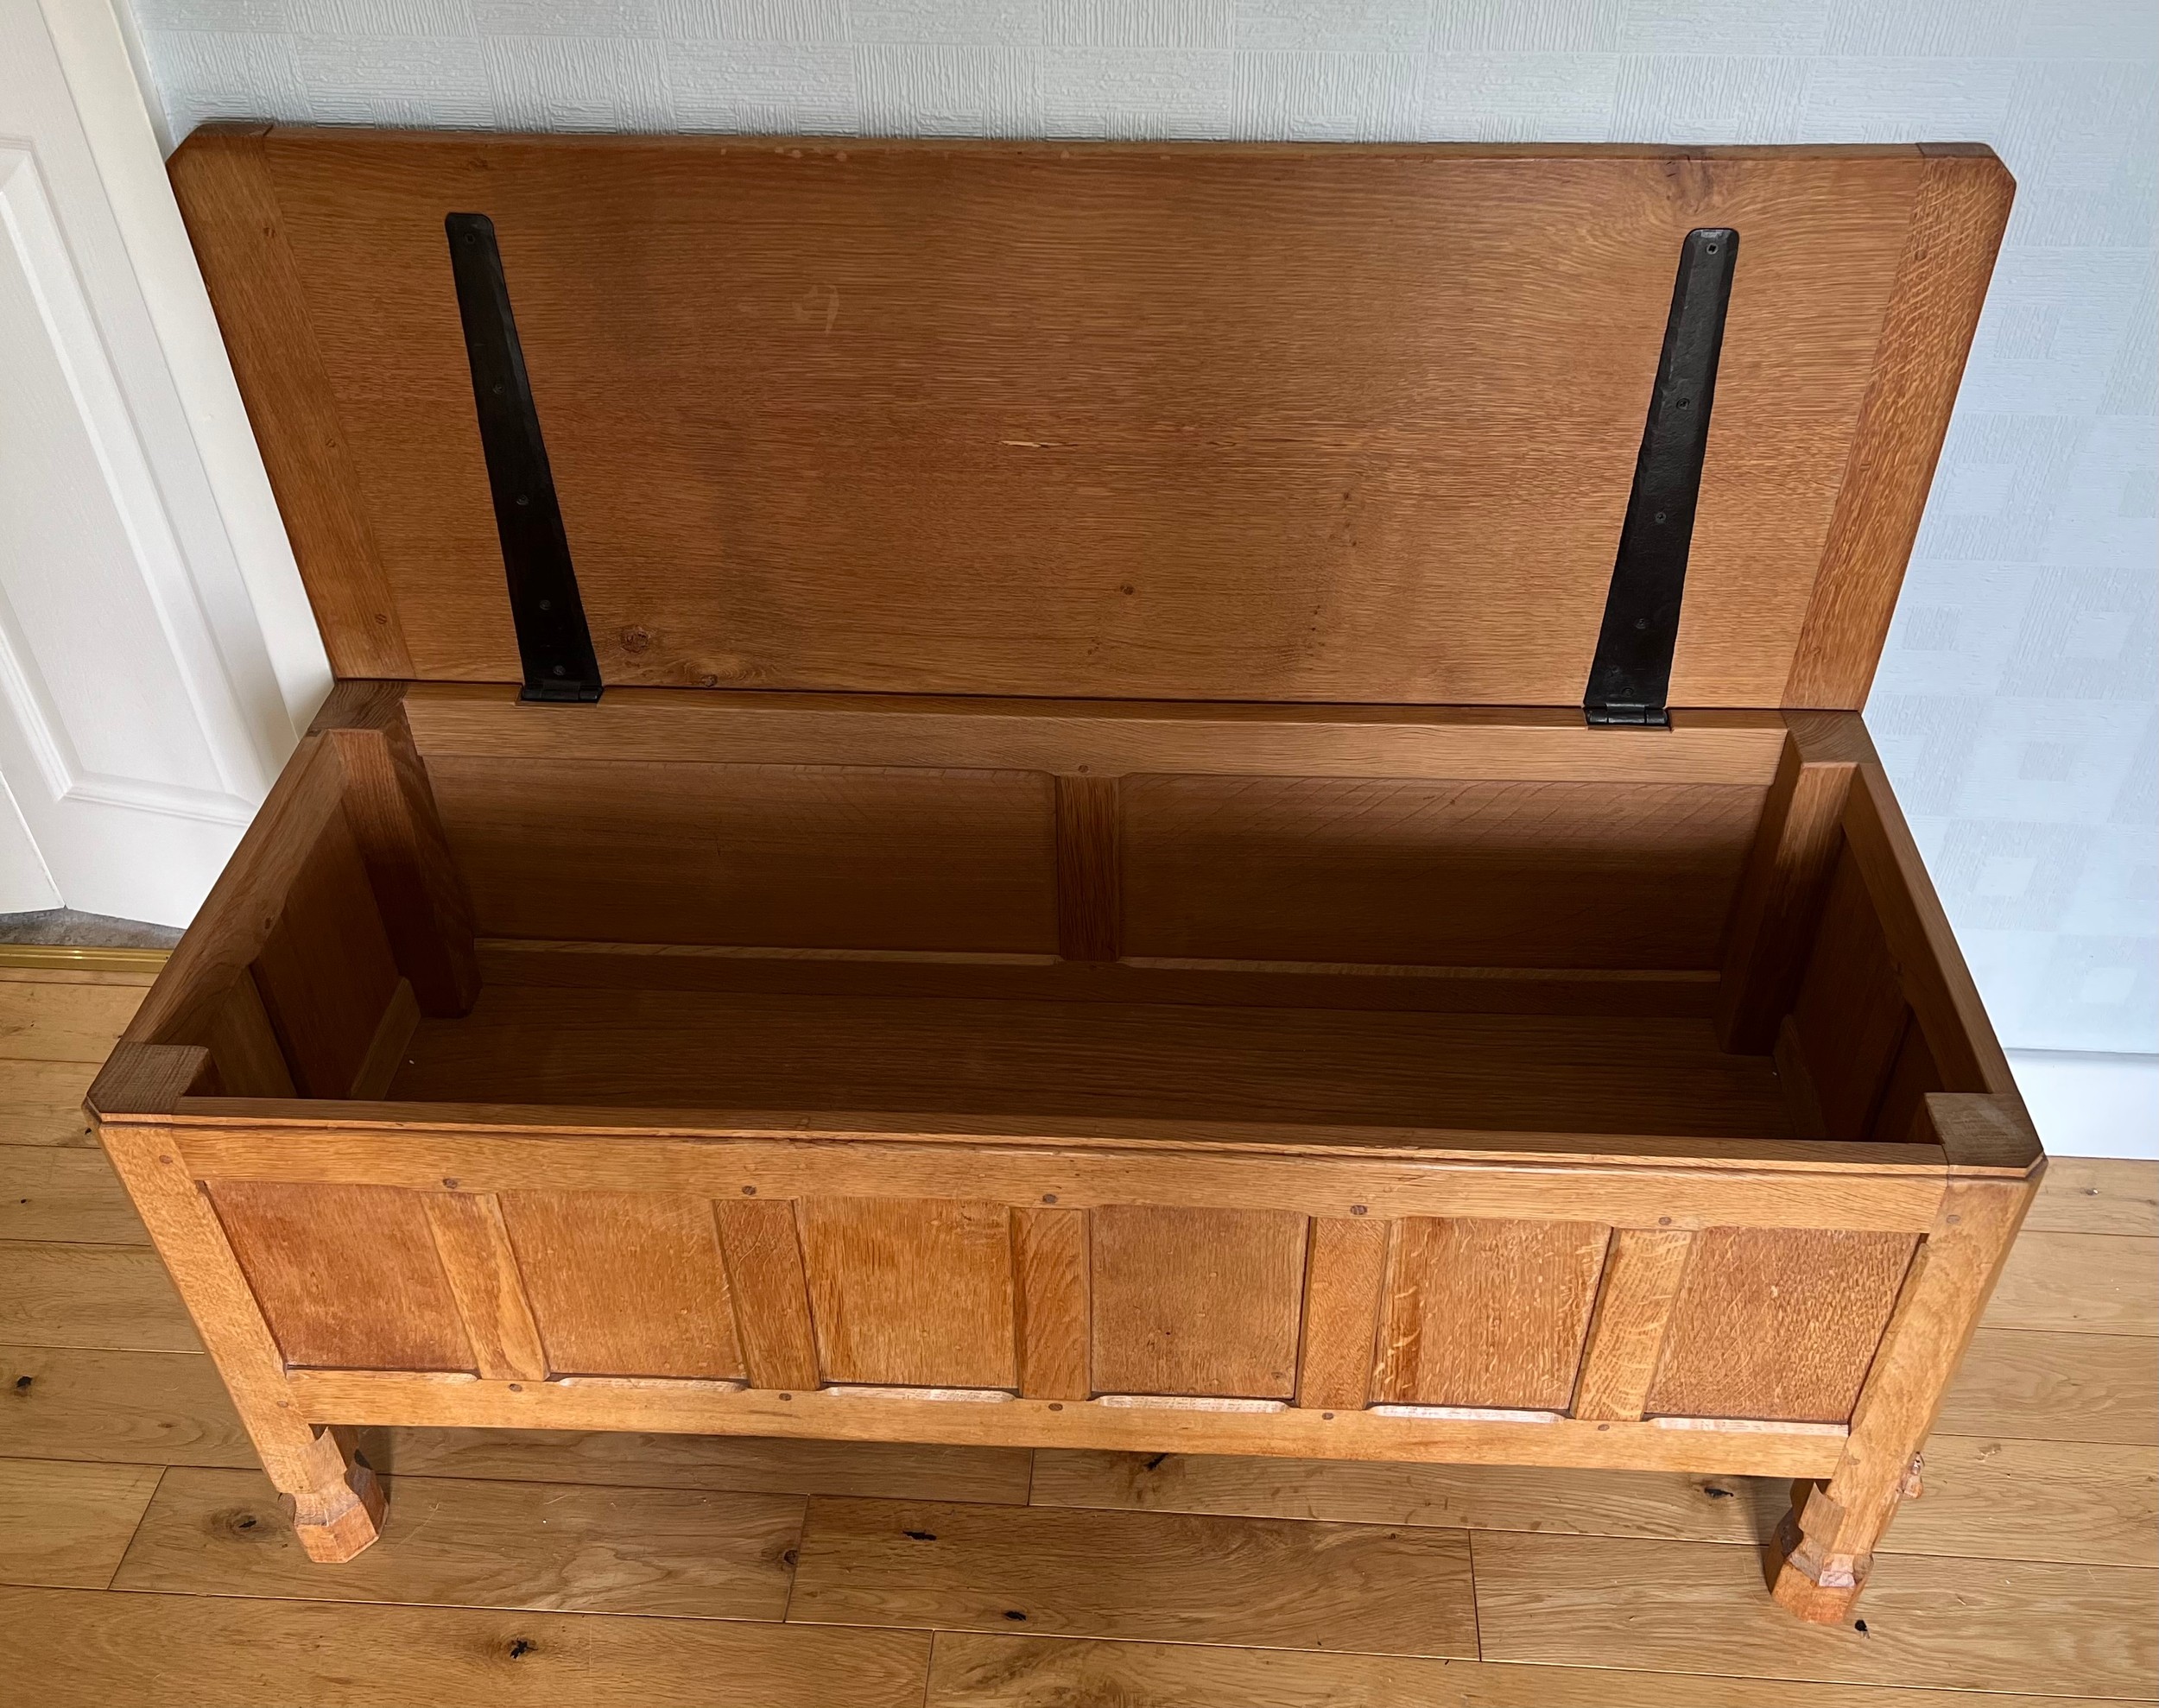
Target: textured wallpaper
column 2016, row 704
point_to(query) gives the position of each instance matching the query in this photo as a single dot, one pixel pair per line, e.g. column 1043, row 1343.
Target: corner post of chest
column 335, row 1501
column 1819, row 1558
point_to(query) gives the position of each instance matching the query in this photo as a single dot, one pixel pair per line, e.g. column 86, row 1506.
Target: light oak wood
column 1487, row 1313
column 678, row 1553
column 911, row 1292
column 66, row 1525
column 2056, row 1388
column 1138, row 1575
column 93, row 1296
column 41, row 1103
column 972, row 1670
column 117, row 1408
column 62, row 1016
column 1346, row 1272
column 1052, row 1269
column 629, row 1284
column 137, row 1651
column 1212, row 370
column 474, row 1247
column 1640, row 1285
column 1196, row 1302
column 1101, row 739
column 57, row 1192
column 2072, row 1501
column 2096, row 1195
column 2079, row 1283
column 1992, row 1625
column 762, row 1244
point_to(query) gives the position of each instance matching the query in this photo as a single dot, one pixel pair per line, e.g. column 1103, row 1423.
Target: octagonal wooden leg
column 340, row 1515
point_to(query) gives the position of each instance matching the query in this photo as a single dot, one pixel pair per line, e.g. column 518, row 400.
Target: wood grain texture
column 1850, row 1014
column 245, row 1047
column 1051, row 1263
column 2079, row 1283
column 625, row 1284
column 1489, row 874
column 1196, row 1302
column 1231, row 433
column 41, row 1103
column 348, row 1277
column 481, row 1268
column 1135, row 1575
column 836, row 856
column 1973, row 1625
column 613, row 1459
column 1346, row 1271
column 1486, row 1313
column 1778, row 1325
column 678, row 1553
column 109, row 1650
column 52, row 1191
column 324, row 970
column 61, row 1016
column 1957, row 221
column 1773, row 914
column 2035, row 1386
column 112, row 1297
column 2070, row 1502
column 1090, row 869
column 65, row 1525
column 982, row 1670
column 1156, row 1062
column 117, row 1408
column 223, row 182
column 911, row 1292
column 1913, row 1076
column 2096, row 1195
column 390, row 806
column 1643, row 1272
column 762, row 1246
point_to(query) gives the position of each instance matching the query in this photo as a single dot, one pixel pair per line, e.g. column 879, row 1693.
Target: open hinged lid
column 1255, row 422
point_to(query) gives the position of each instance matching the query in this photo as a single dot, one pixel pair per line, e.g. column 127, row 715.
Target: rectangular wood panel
column 1643, row 1270
column 763, row 1249
column 324, row 970
column 347, row 1277
column 1778, row 1325
column 1196, row 1302
column 1090, row 869
column 1850, row 1015
column 914, row 1293
column 793, row 856
column 1487, row 1313
column 1049, row 1256
column 475, row 1250
column 1399, row 871
column 625, row 1284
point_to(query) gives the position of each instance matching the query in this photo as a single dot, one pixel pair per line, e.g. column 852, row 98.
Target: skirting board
column 2091, row 1103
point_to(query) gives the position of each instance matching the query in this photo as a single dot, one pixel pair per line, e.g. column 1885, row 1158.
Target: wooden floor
column 142, row 1559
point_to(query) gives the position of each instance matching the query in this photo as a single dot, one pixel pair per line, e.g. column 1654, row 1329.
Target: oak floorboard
column 2078, row 1284
column 878, row 1470
column 41, row 1103
column 556, row 1547
column 2041, row 1386
column 2076, row 1502
column 1684, row 1607
column 67, row 1193
column 2096, row 1195
column 117, row 1298
column 65, row 1526
column 64, row 1402
column 111, row 1650
column 1144, row 1576
column 972, row 1670
column 1670, row 1505
column 65, row 1016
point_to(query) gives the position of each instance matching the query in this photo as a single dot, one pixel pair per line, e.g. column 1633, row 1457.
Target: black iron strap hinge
column 553, row 643
column 1631, row 680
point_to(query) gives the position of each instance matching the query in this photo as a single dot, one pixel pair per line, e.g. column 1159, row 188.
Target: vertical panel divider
column 1643, row 1268
column 1054, row 1298
column 481, row 1266
column 1090, row 869
column 761, row 1248
column 1345, row 1263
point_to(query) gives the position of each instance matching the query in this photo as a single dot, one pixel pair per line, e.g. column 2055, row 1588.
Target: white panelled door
column 157, row 652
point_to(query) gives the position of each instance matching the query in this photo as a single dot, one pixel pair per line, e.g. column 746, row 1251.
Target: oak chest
column 1164, row 798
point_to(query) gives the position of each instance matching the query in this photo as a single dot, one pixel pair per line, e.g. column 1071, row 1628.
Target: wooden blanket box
column 1228, row 814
